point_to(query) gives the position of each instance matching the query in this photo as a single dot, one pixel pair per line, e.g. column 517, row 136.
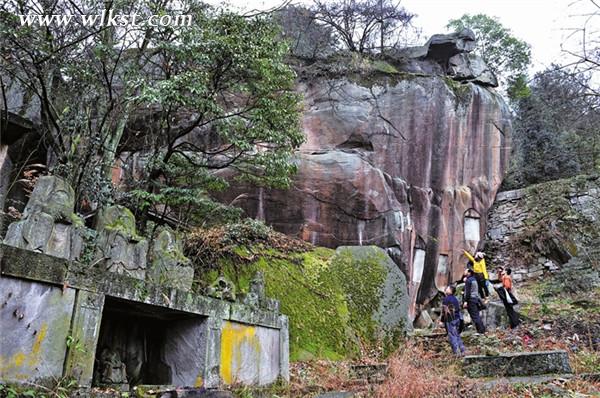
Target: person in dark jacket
column 451, row 318
column 472, row 301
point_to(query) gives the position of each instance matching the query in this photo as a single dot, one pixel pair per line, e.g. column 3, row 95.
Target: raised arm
column 471, row 258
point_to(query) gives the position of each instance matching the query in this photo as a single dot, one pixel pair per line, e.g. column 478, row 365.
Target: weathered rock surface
column 391, row 316
column 550, row 228
column 47, row 223
column 517, row 364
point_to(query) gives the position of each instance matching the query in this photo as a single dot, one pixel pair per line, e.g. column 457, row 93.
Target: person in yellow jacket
column 480, row 270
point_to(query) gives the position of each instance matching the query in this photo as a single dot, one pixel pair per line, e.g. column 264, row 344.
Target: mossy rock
column 335, row 300
column 118, row 218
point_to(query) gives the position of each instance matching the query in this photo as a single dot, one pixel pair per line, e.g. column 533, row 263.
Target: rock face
column 391, row 314
column 410, row 164
column 119, row 248
column 169, row 266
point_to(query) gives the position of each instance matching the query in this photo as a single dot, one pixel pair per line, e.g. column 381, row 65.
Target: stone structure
column 170, row 267
column 517, row 364
column 49, row 224
column 60, row 318
column 408, row 161
column 120, row 249
column 107, row 325
column 548, row 228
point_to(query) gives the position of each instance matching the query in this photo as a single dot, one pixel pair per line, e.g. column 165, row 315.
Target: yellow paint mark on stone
column 235, row 337
column 34, row 358
column 199, row 381
column 19, row 359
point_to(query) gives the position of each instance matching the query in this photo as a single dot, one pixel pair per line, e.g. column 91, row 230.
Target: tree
column 582, row 46
column 507, row 56
column 363, row 25
column 557, row 129
column 216, row 95
column 308, row 37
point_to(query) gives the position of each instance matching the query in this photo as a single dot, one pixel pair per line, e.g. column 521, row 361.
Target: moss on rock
column 330, row 297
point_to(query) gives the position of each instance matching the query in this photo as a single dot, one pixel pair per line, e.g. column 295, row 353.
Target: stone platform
column 517, row 364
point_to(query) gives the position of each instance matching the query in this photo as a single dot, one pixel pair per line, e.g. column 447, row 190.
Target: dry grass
column 416, row 372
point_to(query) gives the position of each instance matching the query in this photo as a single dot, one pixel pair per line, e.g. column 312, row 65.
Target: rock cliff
column 409, row 161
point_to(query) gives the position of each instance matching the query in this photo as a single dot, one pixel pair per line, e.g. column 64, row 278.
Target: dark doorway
column 142, row 344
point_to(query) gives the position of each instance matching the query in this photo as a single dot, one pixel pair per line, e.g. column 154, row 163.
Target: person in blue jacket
column 451, row 318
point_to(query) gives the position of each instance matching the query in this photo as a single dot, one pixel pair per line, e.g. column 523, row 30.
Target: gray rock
column 169, row 265
column 47, row 223
column 35, row 322
column 517, row 364
column 423, row 321
column 471, row 67
column 119, row 249
column 444, row 46
column 392, row 314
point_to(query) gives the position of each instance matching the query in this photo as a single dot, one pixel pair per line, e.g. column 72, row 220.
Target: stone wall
column 51, row 310
column 547, row 228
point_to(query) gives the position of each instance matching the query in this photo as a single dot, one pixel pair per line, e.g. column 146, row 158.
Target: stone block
column 119, row 248
column 178, row 277
column 517, row 364
column 35, row 320
column 535, row 274
column 169, row 267
column 186, row 351
column 46, row 226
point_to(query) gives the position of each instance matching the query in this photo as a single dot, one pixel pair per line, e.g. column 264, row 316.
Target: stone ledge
column 26, row 264
column 517, row 364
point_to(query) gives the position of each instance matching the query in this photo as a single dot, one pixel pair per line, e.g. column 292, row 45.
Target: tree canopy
column 556, row 129
column 215, row 95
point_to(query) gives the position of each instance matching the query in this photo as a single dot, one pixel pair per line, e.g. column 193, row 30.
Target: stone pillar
column 212, row 377
column 82, row 341
column 5, row 169
column 284, row 348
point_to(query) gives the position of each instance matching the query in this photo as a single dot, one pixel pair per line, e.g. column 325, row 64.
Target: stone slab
column 517, row 364
column 249, row 354
column 85, row 330
column 31, row 265
column 185, row 352
column 35, row 319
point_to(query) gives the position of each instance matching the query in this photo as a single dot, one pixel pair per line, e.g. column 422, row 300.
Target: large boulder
column 390, row 312
column 444, row 46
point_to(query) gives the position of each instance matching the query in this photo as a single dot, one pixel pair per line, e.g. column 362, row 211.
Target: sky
column 544, row 24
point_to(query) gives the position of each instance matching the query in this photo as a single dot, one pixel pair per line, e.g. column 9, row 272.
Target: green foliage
column 556, row 130
column 507, row 56
column 213, row 95
column 245, row 232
